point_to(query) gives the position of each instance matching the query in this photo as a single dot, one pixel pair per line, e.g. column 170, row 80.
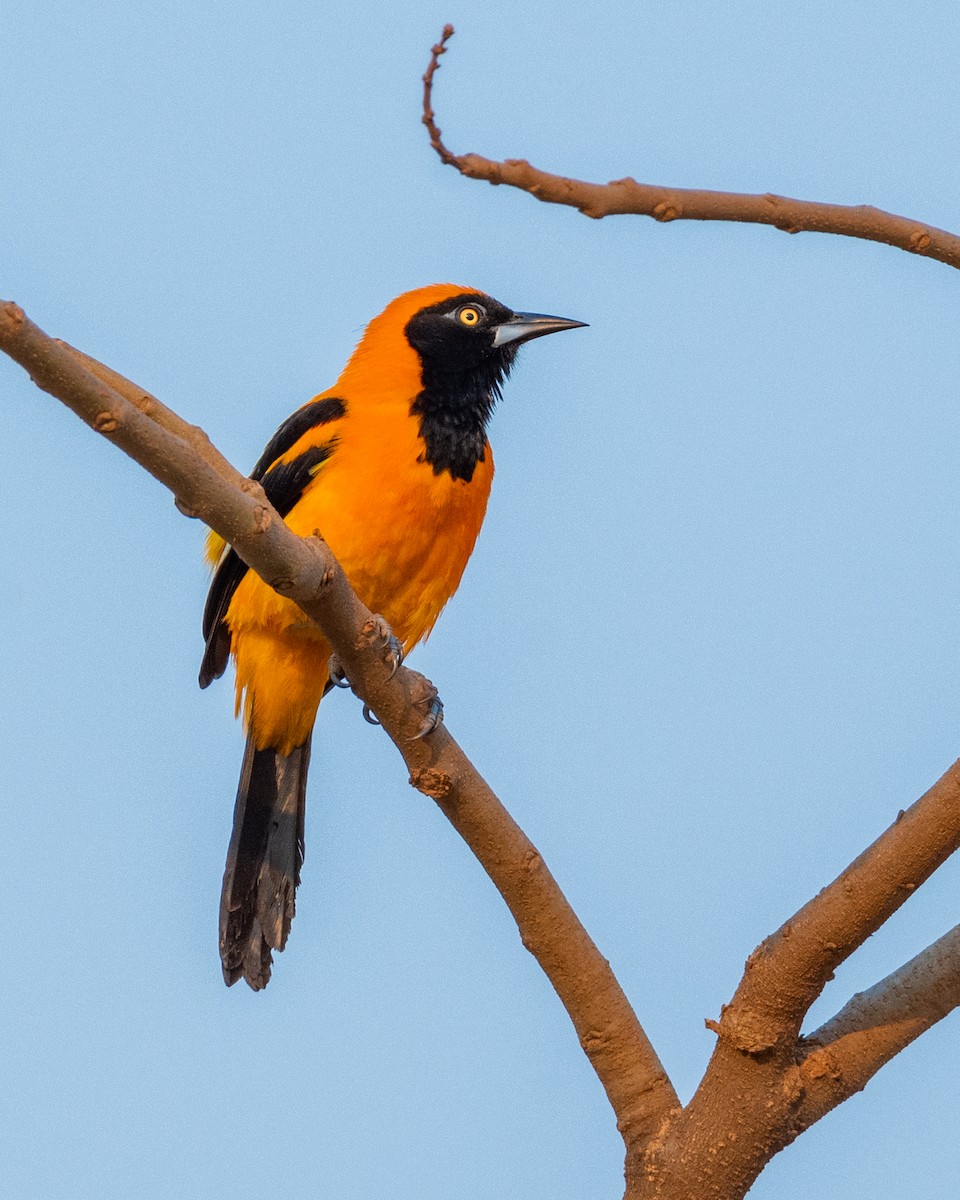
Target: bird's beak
column 523, row 327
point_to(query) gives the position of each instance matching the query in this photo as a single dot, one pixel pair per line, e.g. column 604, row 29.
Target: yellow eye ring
column 469, row 315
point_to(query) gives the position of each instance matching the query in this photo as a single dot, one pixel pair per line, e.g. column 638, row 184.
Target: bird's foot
column 430, row 701
column 338, row 677
column 427, row 699
column 376, row 630
column 393, row 653
column 378, row 633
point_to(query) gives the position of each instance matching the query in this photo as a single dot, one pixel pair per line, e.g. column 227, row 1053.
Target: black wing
column 284, row 484
column 317, row 412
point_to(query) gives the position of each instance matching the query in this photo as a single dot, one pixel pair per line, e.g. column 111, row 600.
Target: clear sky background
column 708, row 644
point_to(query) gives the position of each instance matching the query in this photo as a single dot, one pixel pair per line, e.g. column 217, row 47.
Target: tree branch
column 205, row 485
column 848, row 1050
column 746, row 1108
column 165, row 417
column 627, row 196
column 787, row 972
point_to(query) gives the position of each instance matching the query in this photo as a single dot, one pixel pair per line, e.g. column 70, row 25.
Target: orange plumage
column 393, row 467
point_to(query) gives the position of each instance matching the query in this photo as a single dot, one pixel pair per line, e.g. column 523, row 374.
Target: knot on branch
column 199, row 436
column 475, row 166
column 253, row 488
column 821, row 1065
column 106, row 422
column 432, row 782
column 532, row 860
column 12, row 315
column 594, row 1042
column 746, row 1031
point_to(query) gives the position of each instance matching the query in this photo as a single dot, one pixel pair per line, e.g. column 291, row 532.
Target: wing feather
column 284, row 483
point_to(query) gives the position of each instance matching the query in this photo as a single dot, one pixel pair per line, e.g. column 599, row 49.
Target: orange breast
column 403, row 536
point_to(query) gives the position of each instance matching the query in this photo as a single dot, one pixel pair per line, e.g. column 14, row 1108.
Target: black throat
column 454, row 408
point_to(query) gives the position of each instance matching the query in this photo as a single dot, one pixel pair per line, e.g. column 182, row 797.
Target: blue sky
column 707, row 646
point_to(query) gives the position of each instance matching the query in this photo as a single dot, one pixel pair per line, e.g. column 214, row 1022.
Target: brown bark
column 165, row 417
column 763, row 1085
column 844, row 1054
column 788, row 971
column 626, row 196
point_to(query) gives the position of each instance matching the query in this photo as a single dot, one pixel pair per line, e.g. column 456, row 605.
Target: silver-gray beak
column 523, row 327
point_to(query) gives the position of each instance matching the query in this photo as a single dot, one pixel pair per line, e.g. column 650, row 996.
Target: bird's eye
column 469, row 315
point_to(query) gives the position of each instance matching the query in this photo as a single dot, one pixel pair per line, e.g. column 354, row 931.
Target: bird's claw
column 434, row 717
column 393, row 654
column 377, row 628
column 337, row 675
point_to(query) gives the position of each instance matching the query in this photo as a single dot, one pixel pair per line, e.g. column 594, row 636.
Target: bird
column 393, row 467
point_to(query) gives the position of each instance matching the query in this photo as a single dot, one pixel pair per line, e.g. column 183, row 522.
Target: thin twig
column 665, row 204
column 428, row 114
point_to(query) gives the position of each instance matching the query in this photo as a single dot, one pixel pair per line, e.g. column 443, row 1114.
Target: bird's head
column 466, row 329
column 444, row 350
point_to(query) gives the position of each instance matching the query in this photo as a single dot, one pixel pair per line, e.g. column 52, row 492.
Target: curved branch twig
column 626, row 196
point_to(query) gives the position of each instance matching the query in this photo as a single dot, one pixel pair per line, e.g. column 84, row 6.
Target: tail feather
column 263, row 862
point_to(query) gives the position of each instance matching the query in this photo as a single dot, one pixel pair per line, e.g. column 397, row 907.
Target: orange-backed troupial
column 393, row 467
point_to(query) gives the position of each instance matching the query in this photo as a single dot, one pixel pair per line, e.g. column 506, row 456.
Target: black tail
column 263, row 862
